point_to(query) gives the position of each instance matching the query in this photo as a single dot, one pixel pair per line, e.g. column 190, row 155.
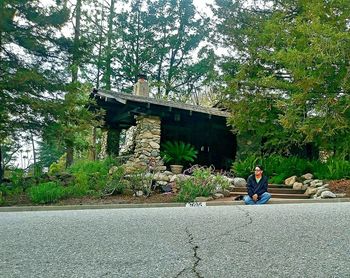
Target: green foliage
column 46, row 193
column 331, row 170
column 140, row 180
column 286, row 88
column 116, row 183
column 91, row 176
column 200, row 184
column 59, row 166
column 278, row 168
column 178, row 152
column 17, row 177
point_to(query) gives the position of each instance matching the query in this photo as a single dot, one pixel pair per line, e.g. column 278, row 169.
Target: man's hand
column 255, row 197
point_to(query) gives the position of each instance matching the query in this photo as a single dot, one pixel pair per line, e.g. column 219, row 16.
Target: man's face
column 258, row 171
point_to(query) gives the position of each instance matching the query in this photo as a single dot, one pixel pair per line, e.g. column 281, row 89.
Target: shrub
column 90, row 176
column 116, row 183
column 45, row 193
column 278, row 168
column 178, row 152
column 59, row 166
column 140, row 180
column 333, row 169
column 200, row 184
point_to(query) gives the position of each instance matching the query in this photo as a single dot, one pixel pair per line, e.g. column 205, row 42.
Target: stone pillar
column 147, row 144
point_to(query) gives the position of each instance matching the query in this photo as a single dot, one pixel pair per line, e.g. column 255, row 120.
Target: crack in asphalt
column 195, row 254
column 229, row 232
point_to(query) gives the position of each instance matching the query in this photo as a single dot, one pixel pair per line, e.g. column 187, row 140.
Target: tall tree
column 28, row 51
column 289, row 82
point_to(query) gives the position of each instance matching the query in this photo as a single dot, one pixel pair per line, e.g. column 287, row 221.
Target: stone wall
column 147, row 145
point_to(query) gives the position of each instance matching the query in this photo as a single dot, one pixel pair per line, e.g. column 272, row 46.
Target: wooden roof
column 123, row 98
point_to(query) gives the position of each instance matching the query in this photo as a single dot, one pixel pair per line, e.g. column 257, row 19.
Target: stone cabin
column 155, row 121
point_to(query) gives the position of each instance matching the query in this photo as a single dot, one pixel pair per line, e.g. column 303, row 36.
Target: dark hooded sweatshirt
column 256, row 187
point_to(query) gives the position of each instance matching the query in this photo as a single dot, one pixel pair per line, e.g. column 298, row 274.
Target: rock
column 226, row 193
column 203, row 199
column 160, row 168
column 310, row 191
column 340, row 195
column 179, row 177
column 168, row 173
column 320, row 190
column 307, row 182
column 154, row 145
column 316, row 183
column 112, row 170
column 298, row 186
column 218, row 195
column 308, row 176
column 167, row 188
column 139, row 193
column 160, row 177
column 162, row 183
column 328, row 194
column 239, row 182
column 290, row 181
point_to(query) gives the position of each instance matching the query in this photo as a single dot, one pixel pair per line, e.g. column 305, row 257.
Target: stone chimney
column 141, row 87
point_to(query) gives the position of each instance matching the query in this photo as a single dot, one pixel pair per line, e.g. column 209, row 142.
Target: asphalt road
column 293, row 240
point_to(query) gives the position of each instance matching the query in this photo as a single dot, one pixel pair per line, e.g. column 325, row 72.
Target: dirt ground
column 340, row 186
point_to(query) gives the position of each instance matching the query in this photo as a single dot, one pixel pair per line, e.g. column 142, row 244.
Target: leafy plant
column 116, row 183
column 200, row 184
column 178, row 152
column 45, row 193
column 140, row 180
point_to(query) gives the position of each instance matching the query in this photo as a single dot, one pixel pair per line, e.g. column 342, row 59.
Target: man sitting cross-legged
column 257, row 188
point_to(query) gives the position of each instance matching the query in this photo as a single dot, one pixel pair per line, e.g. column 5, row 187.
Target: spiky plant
column 178, row 152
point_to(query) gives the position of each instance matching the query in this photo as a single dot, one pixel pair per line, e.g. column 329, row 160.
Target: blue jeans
column 263, row 199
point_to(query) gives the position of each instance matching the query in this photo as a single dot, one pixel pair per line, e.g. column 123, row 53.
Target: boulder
column 320, row 190
column 340, row 195
column 316, row 183
column 203, row 199
column 168, row 173
column 231, row 188
column 179, row 177
column 308, row 176
column 310, row 191
column 307, row 182
column 160, row 177
column 162, row 183
column 290, row 181
column 226, row 193
column 298, row 186
column 328, row 194
column 239, row 182
column 139, row 193
column 218, row 195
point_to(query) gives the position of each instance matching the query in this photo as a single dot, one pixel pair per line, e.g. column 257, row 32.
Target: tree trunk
column 92, row 152
column 99, row 59
column 76, row 46
column 1, row 165
column 75, row 69
column 70, row 153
